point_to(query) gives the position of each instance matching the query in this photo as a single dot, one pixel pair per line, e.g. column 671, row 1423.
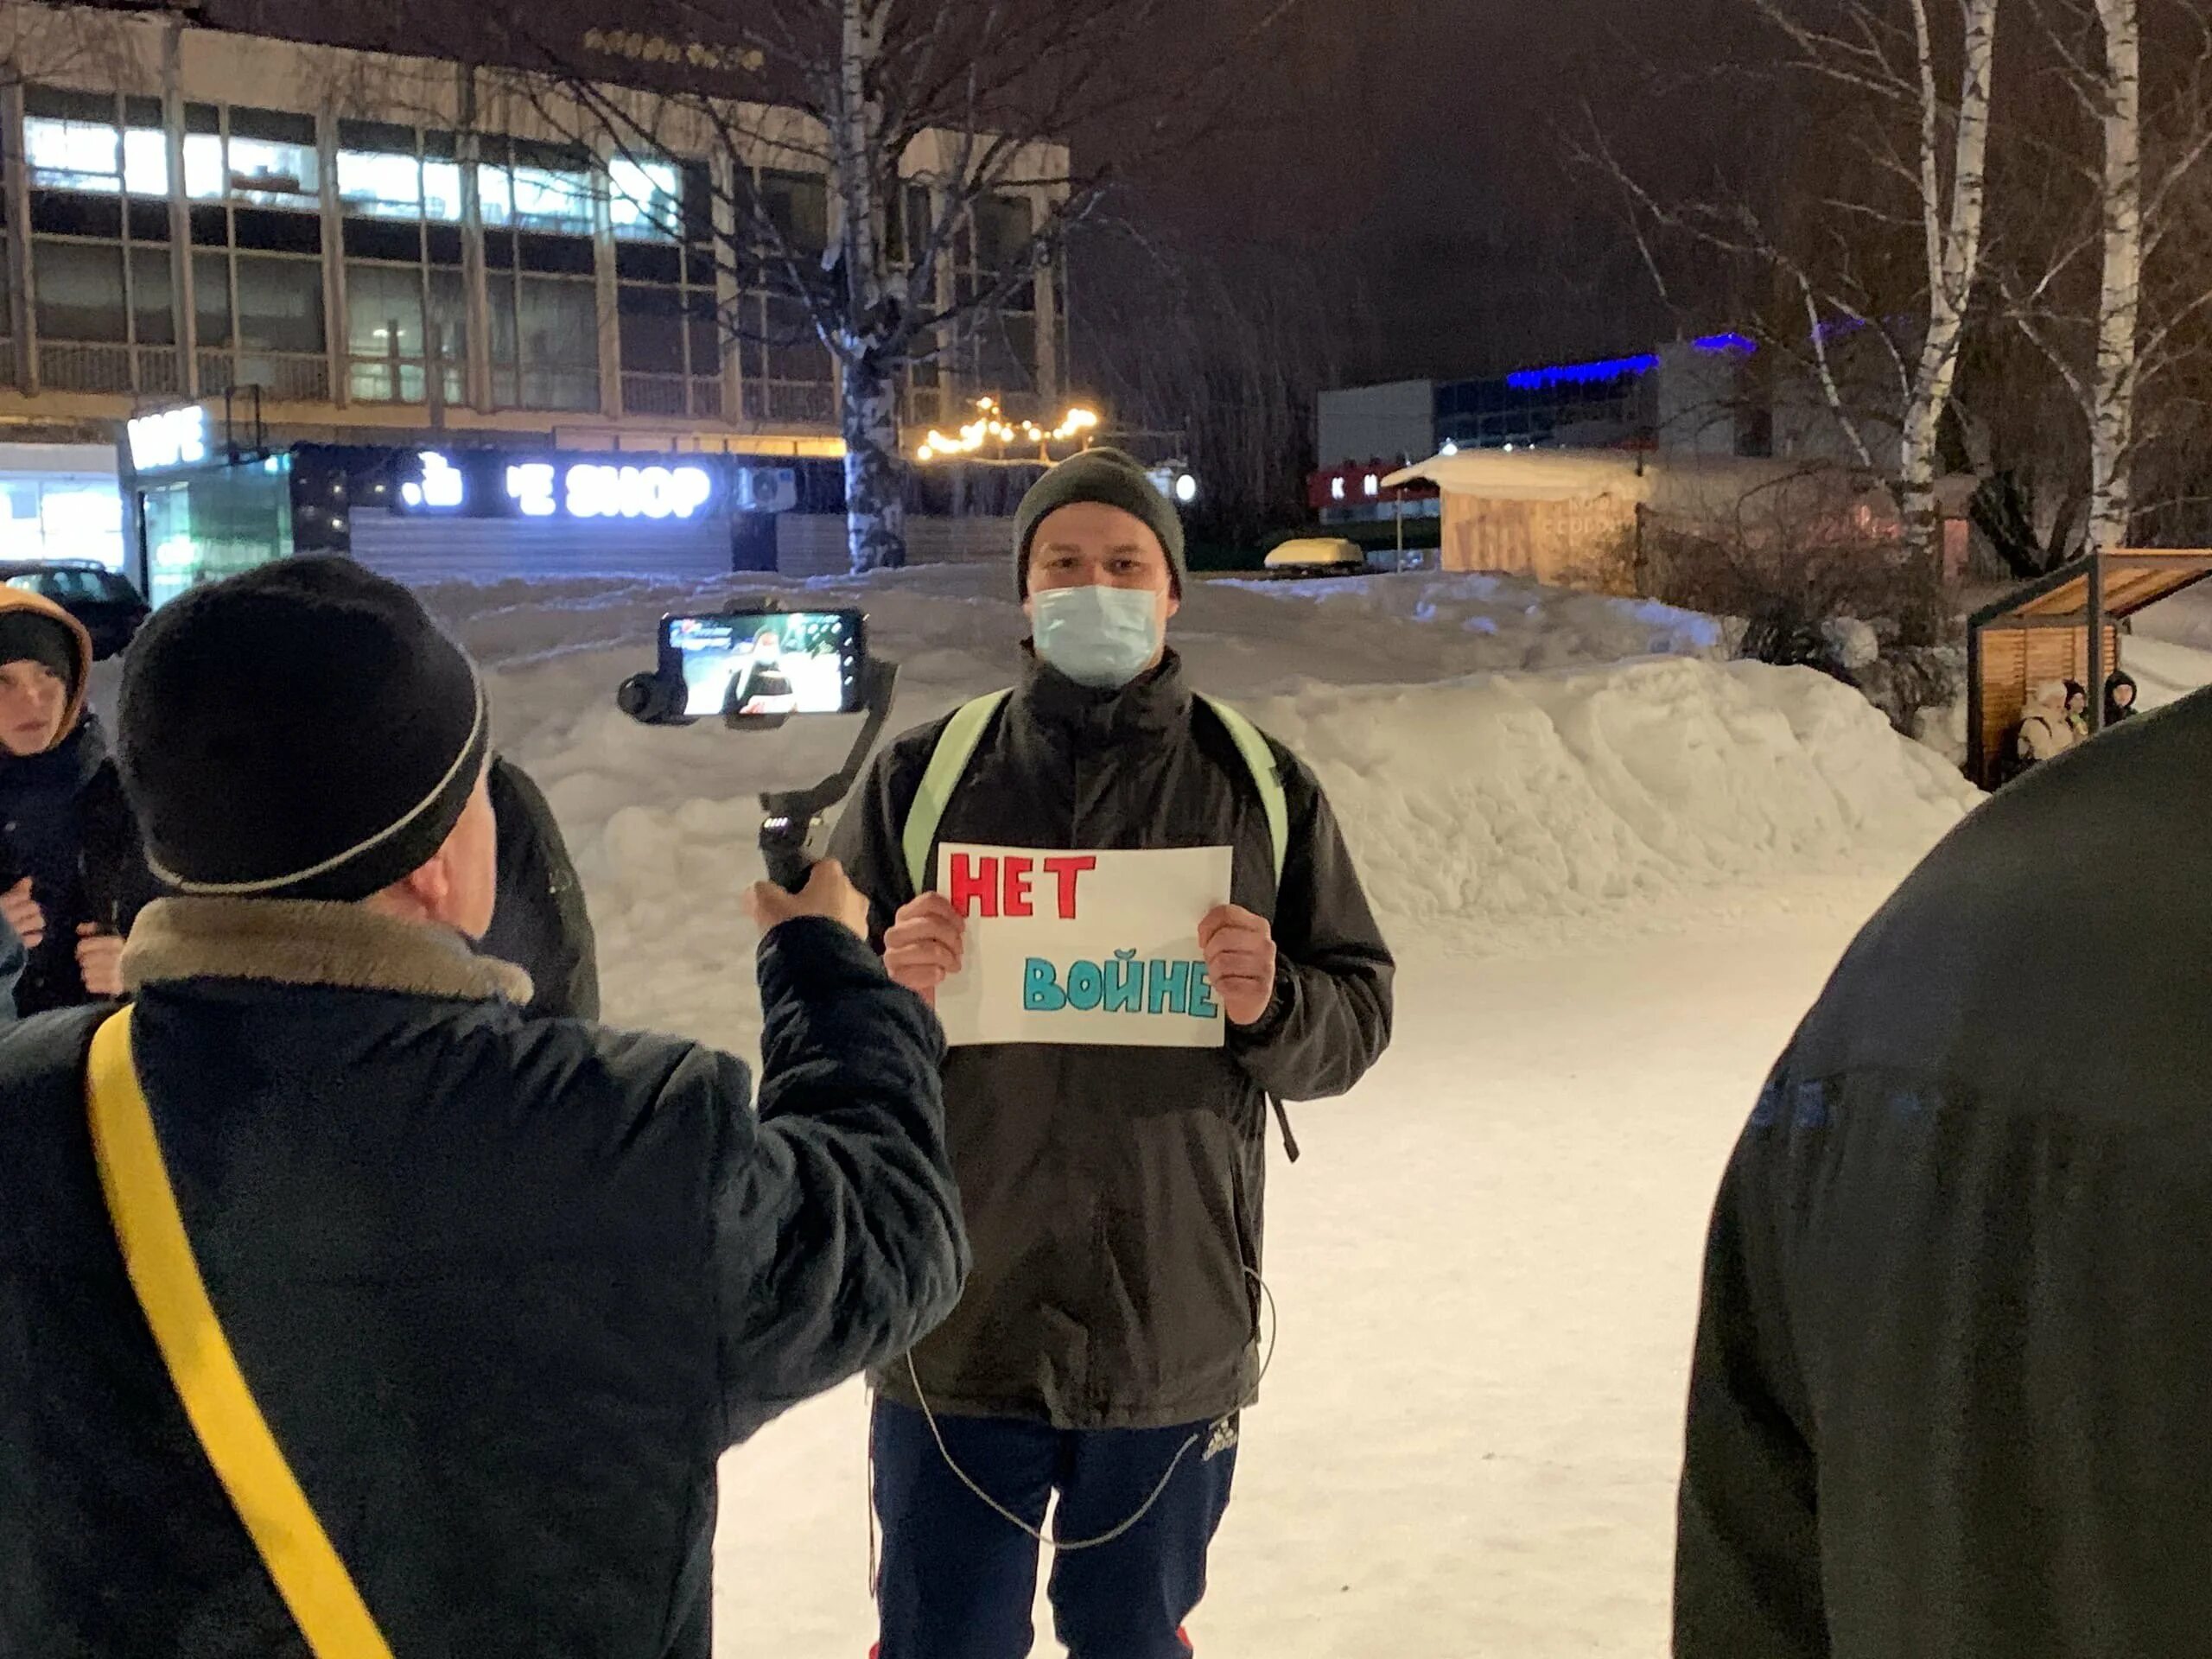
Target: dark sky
column 1423, row 144
column 1411, row 151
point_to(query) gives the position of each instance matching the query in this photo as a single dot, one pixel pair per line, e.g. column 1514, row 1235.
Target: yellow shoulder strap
column 298, row 1554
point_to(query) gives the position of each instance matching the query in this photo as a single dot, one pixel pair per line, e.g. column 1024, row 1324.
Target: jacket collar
column 1152, row 704
column 292, row 942
column 70, row 763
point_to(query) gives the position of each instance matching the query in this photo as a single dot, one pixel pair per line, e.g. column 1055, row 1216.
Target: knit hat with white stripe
column 301, row 731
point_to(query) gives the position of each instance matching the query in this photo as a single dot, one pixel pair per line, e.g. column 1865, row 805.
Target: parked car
column 1317, row 556
column 111, row 610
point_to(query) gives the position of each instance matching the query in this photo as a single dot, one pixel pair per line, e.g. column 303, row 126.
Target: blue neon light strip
column 1726, row 343
column 1582, row 374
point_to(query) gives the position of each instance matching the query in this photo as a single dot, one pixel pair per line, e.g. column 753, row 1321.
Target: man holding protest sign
column 1138, row 921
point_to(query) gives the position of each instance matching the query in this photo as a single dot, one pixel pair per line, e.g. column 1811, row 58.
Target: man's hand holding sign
column 930, row 936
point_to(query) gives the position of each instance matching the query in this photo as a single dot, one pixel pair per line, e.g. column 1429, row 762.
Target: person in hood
column 2044, row 732
column 1947, row 1391
column 2119, row 699
column 504, row 1288
column 73, row 873
column 1110, row 1336
column 2077, row 708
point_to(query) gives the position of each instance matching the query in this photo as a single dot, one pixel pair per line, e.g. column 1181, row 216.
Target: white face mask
column 1099, row 637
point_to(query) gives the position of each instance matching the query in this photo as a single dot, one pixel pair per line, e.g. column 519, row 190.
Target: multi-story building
column 362, row 267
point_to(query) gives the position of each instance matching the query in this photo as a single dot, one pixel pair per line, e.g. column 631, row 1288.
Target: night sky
column 1411, row 154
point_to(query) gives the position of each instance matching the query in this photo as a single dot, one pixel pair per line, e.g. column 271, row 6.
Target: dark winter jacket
column 540, row 923
column 504, row 1288
column 1949, row 1393
column 64, row 823
column 1114, row 1194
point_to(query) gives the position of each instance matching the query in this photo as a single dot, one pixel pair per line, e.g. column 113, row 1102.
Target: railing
column 678, row 395
column 283, row 377
column 382, row 380
column 789, row 402
column 69, row 365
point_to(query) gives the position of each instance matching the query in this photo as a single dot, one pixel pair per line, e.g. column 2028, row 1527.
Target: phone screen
column 767, row 662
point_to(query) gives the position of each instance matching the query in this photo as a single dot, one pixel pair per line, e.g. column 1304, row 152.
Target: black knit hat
column 1104, row 475
column 27, row 637
column 303, row 731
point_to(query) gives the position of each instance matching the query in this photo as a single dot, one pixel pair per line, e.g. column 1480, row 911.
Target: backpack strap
column 956, row 747
column 1267, row 776
column 164, row 1274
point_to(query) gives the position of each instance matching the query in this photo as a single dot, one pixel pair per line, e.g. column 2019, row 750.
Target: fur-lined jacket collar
column 286, row 942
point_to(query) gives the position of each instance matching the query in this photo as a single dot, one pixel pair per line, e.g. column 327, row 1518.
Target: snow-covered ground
column 1616, row 869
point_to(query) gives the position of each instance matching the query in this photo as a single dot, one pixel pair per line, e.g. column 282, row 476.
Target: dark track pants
column 959, row 1581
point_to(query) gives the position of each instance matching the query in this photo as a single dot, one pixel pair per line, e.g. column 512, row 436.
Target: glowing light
column 531, row 487
column 1720, row 343
column 597, row 492
column 1374, row 485
column 1186, row 489
column 1336, row 489
column 1450, row 448
column 991, row 427
column 1582, row 374
column 176, row 437
column 442, row 484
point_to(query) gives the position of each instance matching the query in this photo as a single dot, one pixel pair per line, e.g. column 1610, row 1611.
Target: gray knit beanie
column 1106, row 476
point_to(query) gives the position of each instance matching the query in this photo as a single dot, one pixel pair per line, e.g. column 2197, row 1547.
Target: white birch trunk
column 2112, row 404
column 876, row 517
column 1955, row 218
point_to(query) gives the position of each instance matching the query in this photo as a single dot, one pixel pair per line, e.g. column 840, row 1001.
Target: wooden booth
column 2061, row 626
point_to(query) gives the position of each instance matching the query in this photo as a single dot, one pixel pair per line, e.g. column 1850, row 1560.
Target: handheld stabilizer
column 756, row 666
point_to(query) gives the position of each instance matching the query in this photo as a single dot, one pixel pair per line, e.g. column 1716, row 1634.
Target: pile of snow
column 1488, row 811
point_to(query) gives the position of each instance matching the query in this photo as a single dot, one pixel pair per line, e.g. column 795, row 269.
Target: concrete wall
column 1365, row 422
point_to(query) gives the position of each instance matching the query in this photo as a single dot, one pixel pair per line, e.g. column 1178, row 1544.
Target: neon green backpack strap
column 1259, row 760
column 956, row 747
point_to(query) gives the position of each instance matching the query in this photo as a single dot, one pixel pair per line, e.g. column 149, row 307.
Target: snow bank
column 1505, row 778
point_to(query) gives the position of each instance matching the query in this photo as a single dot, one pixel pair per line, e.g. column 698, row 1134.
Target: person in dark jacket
column 1109, row 1337
column 2119, row 699
column 505, row 1288
column 538, row 921
column 73, row 875
column 1948, row 1392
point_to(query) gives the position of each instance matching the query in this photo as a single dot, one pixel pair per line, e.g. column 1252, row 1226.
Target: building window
column 1002, row 356
column 670, row 324
column 254, row 179
column 648, row 201
column 531, row 186
column 95, row 142
column 787, row 373
column 62, row 518
column 101, row 293
column 398, row 192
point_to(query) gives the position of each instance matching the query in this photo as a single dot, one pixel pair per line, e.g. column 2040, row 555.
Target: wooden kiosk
column 2061, row 626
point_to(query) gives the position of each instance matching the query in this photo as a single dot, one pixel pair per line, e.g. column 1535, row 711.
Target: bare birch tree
column 1876, row 245
column 923, row 116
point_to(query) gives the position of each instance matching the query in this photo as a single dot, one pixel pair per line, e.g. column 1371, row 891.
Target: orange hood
column 21, row 599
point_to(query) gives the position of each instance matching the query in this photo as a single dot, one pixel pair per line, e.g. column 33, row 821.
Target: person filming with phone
column 369, row 1316
column 1110, row 1335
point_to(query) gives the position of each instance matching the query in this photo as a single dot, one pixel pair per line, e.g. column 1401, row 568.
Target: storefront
column 60, row 501
column 208, row 499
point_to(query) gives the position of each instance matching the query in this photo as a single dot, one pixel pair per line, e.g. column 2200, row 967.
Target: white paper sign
column 1096, row 949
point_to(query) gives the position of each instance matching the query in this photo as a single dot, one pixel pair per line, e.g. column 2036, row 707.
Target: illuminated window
column 644, row 199
column 73, row 140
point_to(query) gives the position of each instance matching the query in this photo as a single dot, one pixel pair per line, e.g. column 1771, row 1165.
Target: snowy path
column 1487, row 1266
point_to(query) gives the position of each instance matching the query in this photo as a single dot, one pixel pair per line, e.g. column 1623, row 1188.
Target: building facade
column 388, row 253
